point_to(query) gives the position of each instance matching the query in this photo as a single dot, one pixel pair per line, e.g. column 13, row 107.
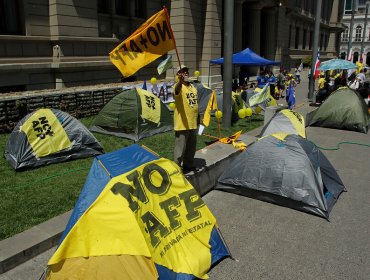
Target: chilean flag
column 350, row 55
column 317, row 65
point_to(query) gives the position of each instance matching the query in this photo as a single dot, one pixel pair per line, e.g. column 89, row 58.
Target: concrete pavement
column 269, row 241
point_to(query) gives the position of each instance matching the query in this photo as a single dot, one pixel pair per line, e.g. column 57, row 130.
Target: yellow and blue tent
column 137, row 217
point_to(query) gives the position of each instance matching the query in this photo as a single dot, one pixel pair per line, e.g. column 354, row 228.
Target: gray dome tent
column 49, row 136
column 344, row 109
column 285, row 169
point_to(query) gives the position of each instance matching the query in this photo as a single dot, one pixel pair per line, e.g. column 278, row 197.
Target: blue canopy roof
column 246, row 57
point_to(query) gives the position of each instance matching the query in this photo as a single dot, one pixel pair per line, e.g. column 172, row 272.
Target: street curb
column 28, row 244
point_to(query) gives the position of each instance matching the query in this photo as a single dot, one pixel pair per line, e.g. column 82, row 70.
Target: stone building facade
column 62, row 43
column 361, row 31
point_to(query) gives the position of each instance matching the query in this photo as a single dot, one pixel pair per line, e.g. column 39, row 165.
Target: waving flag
column 300, row 67
column 317, row 65
column 261, row 96
column 350, row 55
column 290, row 96
column 165, row 65
column 153, row 39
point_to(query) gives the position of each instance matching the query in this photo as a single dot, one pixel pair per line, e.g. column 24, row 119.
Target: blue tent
column 247, row 57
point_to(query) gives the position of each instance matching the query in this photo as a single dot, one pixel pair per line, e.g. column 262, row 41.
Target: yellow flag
column 212, row 105
column 45, row 133
column 150, row 106
column 153, row 39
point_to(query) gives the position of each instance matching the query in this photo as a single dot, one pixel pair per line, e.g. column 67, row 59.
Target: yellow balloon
column 172, row 105
column 248, row 112
column 258, row 110
column 196, row 73
column 241, row 113
column 153, row 81
column 218, row 114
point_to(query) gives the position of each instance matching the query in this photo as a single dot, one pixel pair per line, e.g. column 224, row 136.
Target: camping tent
column 285, row 169
column 285, row 121
column 343, row 109
column 133, row 114
column 49, row 136
column 137, row 217
column 248, row 58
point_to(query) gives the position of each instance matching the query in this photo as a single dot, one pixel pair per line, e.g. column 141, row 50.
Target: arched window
column 368, row 58
column 355, row 57
column 358, row 33
column 345, row 35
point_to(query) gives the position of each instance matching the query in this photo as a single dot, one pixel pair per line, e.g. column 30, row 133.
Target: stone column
column 212, row 41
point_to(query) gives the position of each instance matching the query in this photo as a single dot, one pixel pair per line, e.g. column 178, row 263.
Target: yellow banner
column 45, row 133
column 151, row 211
column 238, row 101
column 212, row 105
column 153, row 39
column 150, row 106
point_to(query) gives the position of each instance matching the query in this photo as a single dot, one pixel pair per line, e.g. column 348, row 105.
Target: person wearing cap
column 323, row 91
column 185, row 120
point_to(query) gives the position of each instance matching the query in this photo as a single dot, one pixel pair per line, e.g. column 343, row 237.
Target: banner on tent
column 153, row 39
column 45, row 134
column 150, row 106
column 168, row 210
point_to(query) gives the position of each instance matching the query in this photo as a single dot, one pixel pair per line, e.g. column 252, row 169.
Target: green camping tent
column 133, row 114
column 285, row 169
column 344, row 109
column 49, row 136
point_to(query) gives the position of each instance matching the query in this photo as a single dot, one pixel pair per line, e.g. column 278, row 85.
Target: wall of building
column 67, row 42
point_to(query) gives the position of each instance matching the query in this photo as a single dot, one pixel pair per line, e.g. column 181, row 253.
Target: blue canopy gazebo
column 246, row 57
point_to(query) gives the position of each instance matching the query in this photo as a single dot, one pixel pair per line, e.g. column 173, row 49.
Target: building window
column 296, row 42
column 368, row 38
column 9, row 18
column 304, row 38
column 103, row 6
column 140, row 8
column 132, row 8
column 311, row 40
column 355, row 57
column 348, row 7
column 290, row 36
column 343, row 55
column 321, row 41
column 358, row 33
column 345, row 35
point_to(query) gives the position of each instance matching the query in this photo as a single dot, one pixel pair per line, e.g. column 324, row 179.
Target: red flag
column 317, row 65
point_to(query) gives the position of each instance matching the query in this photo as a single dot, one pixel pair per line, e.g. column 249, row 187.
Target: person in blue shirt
column 261, row 79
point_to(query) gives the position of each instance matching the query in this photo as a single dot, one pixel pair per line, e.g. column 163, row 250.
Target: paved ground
column 272, row 242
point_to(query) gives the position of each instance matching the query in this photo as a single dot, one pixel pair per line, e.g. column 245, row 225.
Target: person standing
column 185, row 120
column 297, row 73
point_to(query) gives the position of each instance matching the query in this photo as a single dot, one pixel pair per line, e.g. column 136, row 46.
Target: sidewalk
column 267, row 241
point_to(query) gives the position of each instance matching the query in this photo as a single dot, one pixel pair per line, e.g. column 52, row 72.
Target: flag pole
column 168, row 19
